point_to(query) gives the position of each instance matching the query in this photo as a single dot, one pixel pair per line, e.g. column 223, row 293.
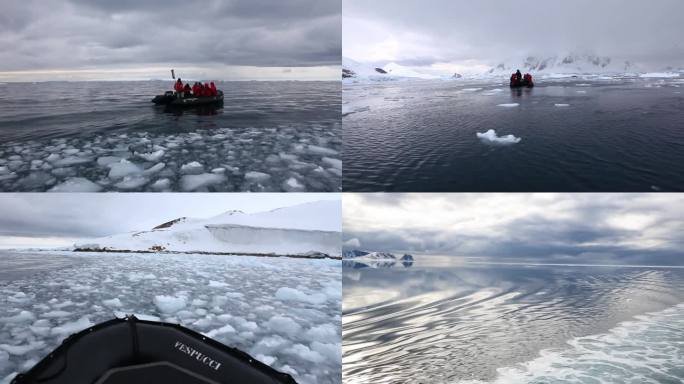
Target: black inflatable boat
column 169, row 99
column 132, row 351
column 521, row 84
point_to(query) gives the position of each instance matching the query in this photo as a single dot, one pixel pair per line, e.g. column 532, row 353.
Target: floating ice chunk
column 41, row 328
column 217, row 284
column 193, row 168
column 72, row 327
column 335, row 163
column 304, row 352
column 258, row 177
column 508, row 105
column 132, row 182
column 20, row 350
column 289, row 370
column 72, row 160
column 194, row 182
column 112, row 303
column 283, row 324
column 169, row 304
column 323, row 332
column 123, row 168
column 152, row 156
column 53, row 157
column 106, row 160
column 293, row 185
column 562, row 105
column 225, row 329
column 490, row 137
column 161, row 184
column 659, row 75
column 266, row 359
column 76, row 184
column 287, row 156
column 56, row 314
column 21, row 317
column 218, row 170
column 581, row 91
column 471, row 89
column 154, row 169
column 315, row 149
column 291, row 294
column 330, row 351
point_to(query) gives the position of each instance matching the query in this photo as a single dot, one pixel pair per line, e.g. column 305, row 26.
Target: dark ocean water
column 445, row 321
column 621, row 134
column 279, row 131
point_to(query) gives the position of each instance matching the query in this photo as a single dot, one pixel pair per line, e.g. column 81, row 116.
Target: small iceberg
column 659, row 75
column 509, row 105
column 562, row 105
column 490, row 137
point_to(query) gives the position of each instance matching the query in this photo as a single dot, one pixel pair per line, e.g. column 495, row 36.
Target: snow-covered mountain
column 363, row 255
column 567, row 63
column 354, row 71
column 561, row 65
column 310, row 230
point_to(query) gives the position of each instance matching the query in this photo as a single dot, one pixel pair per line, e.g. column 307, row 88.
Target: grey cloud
column 576, row 227
column 76, row 34
column 642, row 31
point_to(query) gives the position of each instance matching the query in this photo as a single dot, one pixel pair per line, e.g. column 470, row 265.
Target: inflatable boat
column 133, row 351
column 521, row 84
column 169, row 99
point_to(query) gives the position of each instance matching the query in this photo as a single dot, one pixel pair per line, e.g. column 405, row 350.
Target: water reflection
column 438, row 322
column 375, row 264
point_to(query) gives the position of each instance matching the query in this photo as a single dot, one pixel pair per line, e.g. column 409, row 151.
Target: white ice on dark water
column 561, row 105
column 285, row 312
column 508, row 105
column 283, row 158
column 490, row 137
column 648, row 349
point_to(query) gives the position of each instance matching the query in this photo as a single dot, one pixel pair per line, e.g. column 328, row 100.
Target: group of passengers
column 197, row 90
column 518, row 79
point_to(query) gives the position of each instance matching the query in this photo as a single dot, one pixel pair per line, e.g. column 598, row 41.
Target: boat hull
column 137, row 351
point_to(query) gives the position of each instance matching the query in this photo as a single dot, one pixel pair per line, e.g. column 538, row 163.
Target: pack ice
column 284, row 312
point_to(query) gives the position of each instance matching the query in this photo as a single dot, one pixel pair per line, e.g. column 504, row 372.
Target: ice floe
column 285, row 312
column 490, row 137
column 152, row 161
column 508, row 105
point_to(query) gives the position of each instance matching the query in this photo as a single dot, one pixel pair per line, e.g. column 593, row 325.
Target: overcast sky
column 600, row 228
column 222, row 39
column 48, row 220
column 459, row 34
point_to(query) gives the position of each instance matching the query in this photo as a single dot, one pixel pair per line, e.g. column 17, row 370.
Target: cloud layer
column 610, row 228
column 76, row 34
column 416, row 33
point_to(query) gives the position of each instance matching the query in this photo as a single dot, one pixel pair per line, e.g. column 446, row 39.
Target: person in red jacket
column 206, row 91
column 214, row 91
column 195, row 89
column 186, row 90
column 178, row 87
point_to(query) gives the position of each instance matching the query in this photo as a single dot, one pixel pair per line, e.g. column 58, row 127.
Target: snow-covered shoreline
column 305, row 230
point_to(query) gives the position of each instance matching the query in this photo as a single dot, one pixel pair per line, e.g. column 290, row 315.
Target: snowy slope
column 297, row 230
column 369, row 256
column 572, row 63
